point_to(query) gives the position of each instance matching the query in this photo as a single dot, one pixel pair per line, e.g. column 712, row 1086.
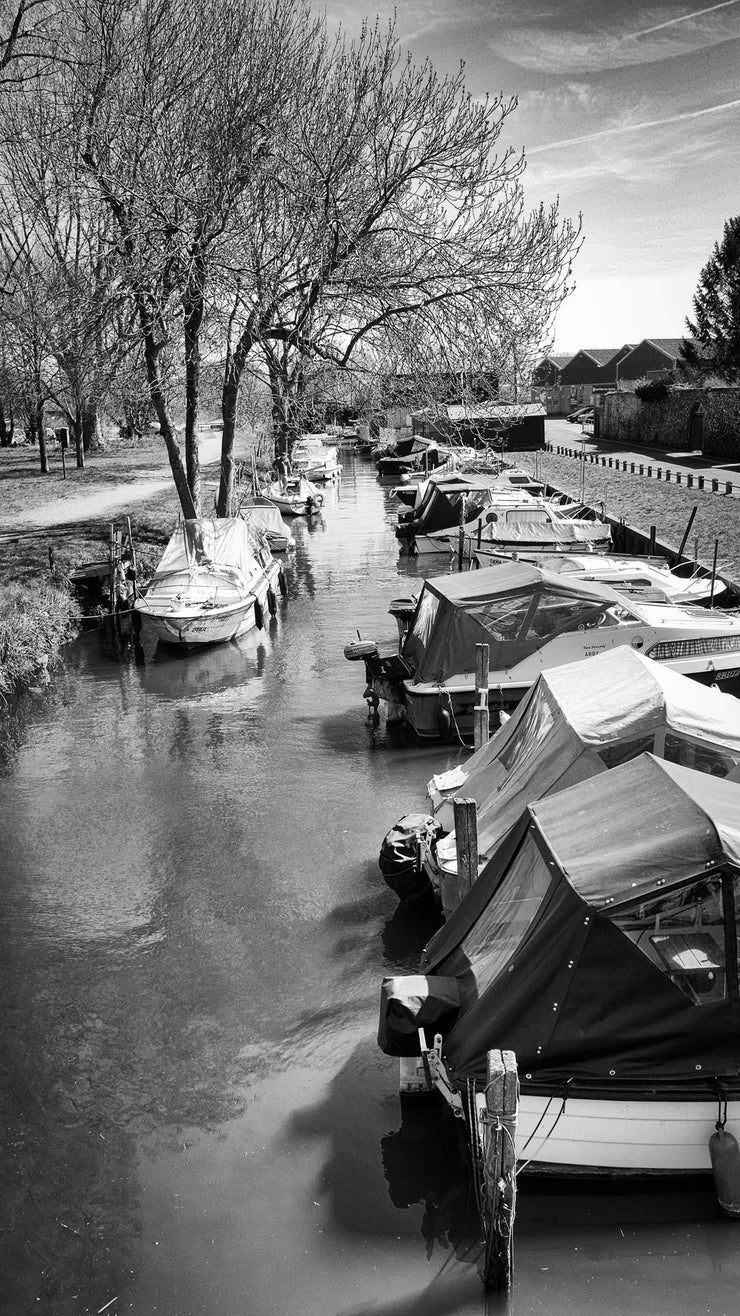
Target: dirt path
column 91, row 505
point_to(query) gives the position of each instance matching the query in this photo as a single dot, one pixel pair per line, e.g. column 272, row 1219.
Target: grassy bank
column 36, row 621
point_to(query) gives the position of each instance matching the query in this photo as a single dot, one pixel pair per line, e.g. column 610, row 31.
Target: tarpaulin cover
column 498, row 606
column 440, row 506
column 223, row 544
column 410, row 1003
column 496, row 533
column 617, row 698
column 265, row 517
column 545, row 973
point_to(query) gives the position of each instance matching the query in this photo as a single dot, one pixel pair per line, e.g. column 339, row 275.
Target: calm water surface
column 197, row 1120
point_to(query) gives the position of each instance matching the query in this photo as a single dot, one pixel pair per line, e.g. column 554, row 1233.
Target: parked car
column 581, row 415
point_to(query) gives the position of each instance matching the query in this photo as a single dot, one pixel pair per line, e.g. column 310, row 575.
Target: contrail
column 684, row 18
column 633, row 127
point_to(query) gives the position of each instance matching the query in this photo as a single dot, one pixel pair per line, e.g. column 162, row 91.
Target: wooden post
column 481, row 721
column 652, row 540
column 466, row 844
column 689, row 524
column 112, row 565
column 499, row 1170
column 714, row 573
column 133, row 554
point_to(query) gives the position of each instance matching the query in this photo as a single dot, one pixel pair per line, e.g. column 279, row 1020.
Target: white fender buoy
column 724, row 1153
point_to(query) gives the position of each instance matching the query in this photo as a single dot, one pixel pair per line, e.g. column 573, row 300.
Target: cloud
column 617, row 129
column 603, row 43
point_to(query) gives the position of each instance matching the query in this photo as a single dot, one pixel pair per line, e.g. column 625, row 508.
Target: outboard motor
column 401, row 856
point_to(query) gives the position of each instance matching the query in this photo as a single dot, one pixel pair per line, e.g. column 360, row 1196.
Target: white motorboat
column 296, row 497
column 532, row 621
column 315, row 457
column 627, row 574
column 263, row 517
column 599, row 946
column 213, row 583
column 519, row 524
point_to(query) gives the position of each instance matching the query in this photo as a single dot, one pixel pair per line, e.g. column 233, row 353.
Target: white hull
column 617, row 1137
column 190, row 625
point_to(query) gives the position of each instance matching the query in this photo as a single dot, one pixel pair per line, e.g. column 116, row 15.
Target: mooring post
column 466, row 843
column 714, row 573
column 652, row 540
column 481, row 723
column 499, row 1169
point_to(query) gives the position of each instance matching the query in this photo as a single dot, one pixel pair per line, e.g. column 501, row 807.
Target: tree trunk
column 233, row 371
column 92, row 434
column 161, row 410
column 4, row 441
column 193, row 319
column 38, row 425
column 79, row 440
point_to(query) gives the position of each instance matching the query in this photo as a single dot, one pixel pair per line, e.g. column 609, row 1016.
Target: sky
column 628, row 113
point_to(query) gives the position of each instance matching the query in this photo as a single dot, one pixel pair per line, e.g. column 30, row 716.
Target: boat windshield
column 699, row 755
column 683, row 934
column 502, row 925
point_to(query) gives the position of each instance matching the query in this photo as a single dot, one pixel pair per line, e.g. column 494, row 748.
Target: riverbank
column 50, row 524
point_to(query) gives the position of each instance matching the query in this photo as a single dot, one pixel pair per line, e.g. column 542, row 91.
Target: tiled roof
column 601, row 354
column 671, row 346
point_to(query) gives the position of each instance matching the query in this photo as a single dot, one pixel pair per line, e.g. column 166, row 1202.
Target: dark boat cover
column 514, row 608
column 543, row 947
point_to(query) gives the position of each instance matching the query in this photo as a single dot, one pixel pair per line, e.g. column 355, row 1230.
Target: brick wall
column 666, row 422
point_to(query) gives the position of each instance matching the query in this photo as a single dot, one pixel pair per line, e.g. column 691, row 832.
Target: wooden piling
column 481, row 717
column 499, row 1169
column 466, row 844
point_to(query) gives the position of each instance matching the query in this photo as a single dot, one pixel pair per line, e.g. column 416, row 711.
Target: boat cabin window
column 703, row 757
column 623, row 751
column 683, row 934
column 502, row 925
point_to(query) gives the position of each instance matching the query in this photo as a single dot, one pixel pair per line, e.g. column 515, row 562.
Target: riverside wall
column 684, row 420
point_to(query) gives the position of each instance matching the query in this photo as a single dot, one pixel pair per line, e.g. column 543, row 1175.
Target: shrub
column 35, row 621
column 653, row 390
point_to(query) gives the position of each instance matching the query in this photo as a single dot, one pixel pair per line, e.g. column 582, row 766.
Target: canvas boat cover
column 514, row 608
column 440, row 505
column 223, row 545
column 543, row 969
column 265, row 518
column 579, row 720
column 538, row 533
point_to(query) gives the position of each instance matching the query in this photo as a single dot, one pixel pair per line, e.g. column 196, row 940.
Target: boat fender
column 282, row 582
column 271, row 602
column 444, row 722
column 259, row 616
column 724, row 1153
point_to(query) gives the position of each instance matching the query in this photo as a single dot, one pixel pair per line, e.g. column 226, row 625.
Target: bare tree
column 397, row 229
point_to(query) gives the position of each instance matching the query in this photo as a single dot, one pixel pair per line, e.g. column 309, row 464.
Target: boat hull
column 613, row 1138
column 191, row 627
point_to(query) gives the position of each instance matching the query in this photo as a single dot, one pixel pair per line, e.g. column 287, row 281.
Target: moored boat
column 296, row 497
column 315, row 457
column 213, row 583
column 263, row 517
column 531, row 620
column 600, row 947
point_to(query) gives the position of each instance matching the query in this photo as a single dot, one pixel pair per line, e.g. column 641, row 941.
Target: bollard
column 632, row 468
column 678, row 477
column 659, row 473
column 642, row 470
column 715, row 486
column 728, row 486
column 690, row 480
column 667, row 476
column 700, row 481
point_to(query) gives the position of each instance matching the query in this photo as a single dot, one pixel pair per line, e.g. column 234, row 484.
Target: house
column 653, row 357
column 520, row 425
column 547, row 372
column 587, row 366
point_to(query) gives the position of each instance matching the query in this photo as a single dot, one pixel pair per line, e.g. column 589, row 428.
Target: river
column 197, row 1120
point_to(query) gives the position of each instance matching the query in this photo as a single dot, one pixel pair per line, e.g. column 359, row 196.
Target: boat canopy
column 440, row 506
column 514, row 608
column 600, row 942
column 224, row 544
column 579, row 720
column 265, row 518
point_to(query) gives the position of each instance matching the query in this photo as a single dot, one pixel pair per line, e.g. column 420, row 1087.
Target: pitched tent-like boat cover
column 544, row 969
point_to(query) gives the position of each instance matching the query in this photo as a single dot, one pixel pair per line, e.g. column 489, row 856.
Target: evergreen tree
column 716, row 326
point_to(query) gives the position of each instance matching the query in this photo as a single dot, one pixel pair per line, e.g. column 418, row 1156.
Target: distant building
column 519, row 425
column 587, row 366
column 652, row 358
column 547, row 372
